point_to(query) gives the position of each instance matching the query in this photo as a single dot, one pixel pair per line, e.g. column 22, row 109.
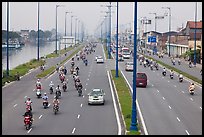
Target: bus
column 126, row 53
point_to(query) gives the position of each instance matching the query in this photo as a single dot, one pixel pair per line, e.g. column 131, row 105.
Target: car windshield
column 141, row 75
column 96, row 92
column 99, row 57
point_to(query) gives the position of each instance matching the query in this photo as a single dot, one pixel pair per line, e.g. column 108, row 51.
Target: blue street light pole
column 7, row 40
column 109, row 47
column 195, row 34
column 134, row 112
column 38, row 55
column 116, row 74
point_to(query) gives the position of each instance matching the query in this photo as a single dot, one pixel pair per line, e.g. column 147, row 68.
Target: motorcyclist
column 77, row 69
column 191, row 87
column 180, row 77
column 45, row 99
column 56, row 101
column 72, row 63
column 38, row 84
column 179, row 61
column 64, row 85
column 51, row 85
column 28, row 103
column 171, row 73
column 164, row 71
column 58, row 90
column 29, row 114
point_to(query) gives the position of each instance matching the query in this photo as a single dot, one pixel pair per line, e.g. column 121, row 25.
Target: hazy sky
column 23, row 15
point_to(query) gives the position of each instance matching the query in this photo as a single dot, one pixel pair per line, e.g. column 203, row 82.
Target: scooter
column 79, row 91
column 180, row 79
column 171, row 76
column 191, row 92
column 38, row 93
column 51, row 90
column 45, row 104
column 55, row 108
column 64, row 87
column 164, row 73
column 27, row 122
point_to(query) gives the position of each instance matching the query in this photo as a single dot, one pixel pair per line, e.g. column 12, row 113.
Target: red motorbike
column 38, row 87
column 27, row 122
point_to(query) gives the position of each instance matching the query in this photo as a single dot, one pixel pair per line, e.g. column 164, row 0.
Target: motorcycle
column 164, row 73
column 51, row 90
column 151, row 67
column 180, row 79
column 45, row 104
column 58, row 94
column 55, row 108
column 157, row 68
column 64, row 87
column 171, row 76
column 79, row 91
column 38, row 93
column 27, row 122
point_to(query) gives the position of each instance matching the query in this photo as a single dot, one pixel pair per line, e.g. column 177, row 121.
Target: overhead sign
column 152, row 39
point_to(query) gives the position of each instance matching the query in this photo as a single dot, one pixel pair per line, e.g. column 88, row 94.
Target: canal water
column 26, row 53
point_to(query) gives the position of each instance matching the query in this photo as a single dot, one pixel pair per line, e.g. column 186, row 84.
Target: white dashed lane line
column 191, row 99
column 78, row 116
column 157, row 90
column 40, row 116
column 163, row 98
column 178, row 119
column 201, row 108
column 169, row 107
column 73, row 130
column 187, row 132
column 175, row 86
column 29, row 130
column 81, row 105
column 15, row 105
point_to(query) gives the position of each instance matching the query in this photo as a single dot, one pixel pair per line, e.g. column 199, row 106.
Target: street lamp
column 116, row 74
column 134, row 110
column 155, row 14
column 7, row 40
column 56, row 25
column 78, row 30
column 169, row 26
column 65, row 27
column 38, row 54
column 75, row 29
column 195, row 34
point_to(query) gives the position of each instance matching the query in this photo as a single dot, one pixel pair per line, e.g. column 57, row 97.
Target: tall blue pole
column 56, row 31
column 195, row 34
column 109, row 47
column 38, row 31
column 7, row 39
column 116, row 74
column 134, row 113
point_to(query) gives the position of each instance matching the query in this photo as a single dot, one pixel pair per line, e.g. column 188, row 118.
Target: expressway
column 75, row 116
column 166, row 105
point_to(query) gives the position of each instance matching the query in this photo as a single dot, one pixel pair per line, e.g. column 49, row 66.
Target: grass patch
column 52, row 68
column 22, row 69
column 125, row 100
column 53, row 55
column 177, row 70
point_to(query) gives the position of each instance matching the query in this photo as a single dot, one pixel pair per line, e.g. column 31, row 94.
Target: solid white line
column 81, row 105
column 29, row 130
column 15, row 105
column 163, row 98
column 191, row 99
column 40, row 116
column 114, row 103
column 73, row 130
column 178, row 119
column 78, row 116
column 170, row 107
column 187, row 132
column 139, row 110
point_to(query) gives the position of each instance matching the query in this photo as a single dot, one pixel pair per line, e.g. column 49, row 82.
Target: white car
column 99, row 59
column 96, row 96
column 129, row 66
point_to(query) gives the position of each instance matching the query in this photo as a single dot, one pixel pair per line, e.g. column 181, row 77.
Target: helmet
column 50, row 81
column 28, row 98
column 45, row 93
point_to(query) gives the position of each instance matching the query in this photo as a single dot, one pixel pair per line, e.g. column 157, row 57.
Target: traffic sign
column 152, row 39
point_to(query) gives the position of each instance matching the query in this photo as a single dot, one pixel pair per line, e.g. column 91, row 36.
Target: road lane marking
column 201, row 108
column 182, row 91
column 40, row 116
column 114, row 103
column 86, row 83
column 85, row 89
column 87, row 78
column 73, row 130
column 163, row 98
column 152, row 85
column 157, row 90
column 29, row 130
column 137, row 104
column 175, row 86
column 48, row 105
column 191, row 99
column 168, row 81
column 162, row 77
column 178, row 119
column 81, row 105
column 187, row 132
column 78, row 116
column 169, row 107
column 33, row 89
column 83, row 96
column 15, row 105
